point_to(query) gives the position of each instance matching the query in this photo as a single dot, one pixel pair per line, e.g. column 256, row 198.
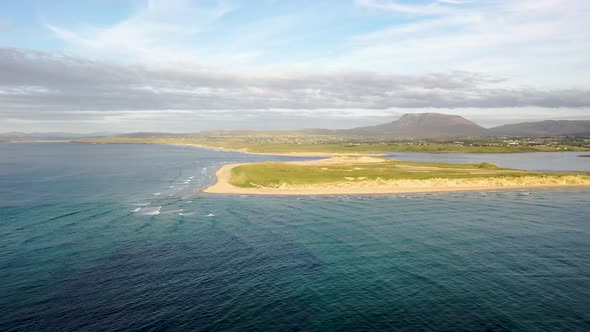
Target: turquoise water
column 81, row 250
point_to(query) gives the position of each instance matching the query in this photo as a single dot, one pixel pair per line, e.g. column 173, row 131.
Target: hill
column 422, row 125
column 48, row 136
column 544, row 128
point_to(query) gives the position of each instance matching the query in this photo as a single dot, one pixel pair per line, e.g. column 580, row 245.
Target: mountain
column 49, row 135
column 544, row 128
column 151, row 134
column 423, row 125
column 409, row 126
column 437, row 125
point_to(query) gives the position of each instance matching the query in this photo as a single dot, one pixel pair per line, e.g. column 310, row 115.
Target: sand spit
column 363, row 186
column 283, row 154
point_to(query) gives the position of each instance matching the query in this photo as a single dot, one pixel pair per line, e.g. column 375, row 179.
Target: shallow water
column 534, row 161
column 81, row 248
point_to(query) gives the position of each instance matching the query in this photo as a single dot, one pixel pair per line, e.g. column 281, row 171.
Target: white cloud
column 164, row 31
column 412, row 30
column 176, row 60
column 433, row 8
column 34, row 81
column 537, row 42
column 505, row 38
column 455, row 2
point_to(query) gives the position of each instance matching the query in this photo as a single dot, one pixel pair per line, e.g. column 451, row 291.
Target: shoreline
column 373, row 187
column 283, row 154
column 336, row 154
column 319, row 154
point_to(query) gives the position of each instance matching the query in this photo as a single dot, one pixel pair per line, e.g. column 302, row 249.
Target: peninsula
column 374, row 175
column 417, row 132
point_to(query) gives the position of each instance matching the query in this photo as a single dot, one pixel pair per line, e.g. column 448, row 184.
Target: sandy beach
column 362, row 186
column 283, row 154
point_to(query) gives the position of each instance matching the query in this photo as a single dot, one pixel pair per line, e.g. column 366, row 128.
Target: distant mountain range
column 437, row 125
column 409, row 126
column 544, row 128
column 49, row 136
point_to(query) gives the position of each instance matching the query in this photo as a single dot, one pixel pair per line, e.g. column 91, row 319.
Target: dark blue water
column 75, row 255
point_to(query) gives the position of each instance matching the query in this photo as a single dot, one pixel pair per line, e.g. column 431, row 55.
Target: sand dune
column 363, row 186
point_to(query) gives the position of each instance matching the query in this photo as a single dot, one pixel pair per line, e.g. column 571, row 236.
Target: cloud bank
column 37, row 81
column 189, row 65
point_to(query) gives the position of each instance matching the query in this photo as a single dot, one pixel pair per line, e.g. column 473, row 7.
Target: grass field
column 274, row 174
column 312, row 144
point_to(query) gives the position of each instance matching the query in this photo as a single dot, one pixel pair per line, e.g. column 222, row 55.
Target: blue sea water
column 118, row 237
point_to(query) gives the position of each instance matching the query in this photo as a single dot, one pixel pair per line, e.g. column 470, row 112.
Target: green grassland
column 585, row 156
column 342, row 145
column 273, row 174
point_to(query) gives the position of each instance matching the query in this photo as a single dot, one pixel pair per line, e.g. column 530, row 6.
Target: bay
column 119, row 237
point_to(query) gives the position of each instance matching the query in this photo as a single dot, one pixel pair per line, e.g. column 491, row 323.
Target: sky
column 186, row 66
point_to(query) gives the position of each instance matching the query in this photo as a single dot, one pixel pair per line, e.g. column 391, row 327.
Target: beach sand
column 361, row 186
column 284, row 154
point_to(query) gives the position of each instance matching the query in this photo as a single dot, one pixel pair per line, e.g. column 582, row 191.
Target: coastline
column 336, row 154
column 283, row 154
column 372, row 187
column 318, row 154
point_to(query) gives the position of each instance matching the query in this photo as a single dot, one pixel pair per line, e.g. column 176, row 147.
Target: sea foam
column 154, row 213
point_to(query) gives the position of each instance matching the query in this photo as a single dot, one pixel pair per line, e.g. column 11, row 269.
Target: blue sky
column 227, row 64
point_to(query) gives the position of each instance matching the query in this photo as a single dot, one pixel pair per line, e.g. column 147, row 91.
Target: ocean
column 118, row 237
